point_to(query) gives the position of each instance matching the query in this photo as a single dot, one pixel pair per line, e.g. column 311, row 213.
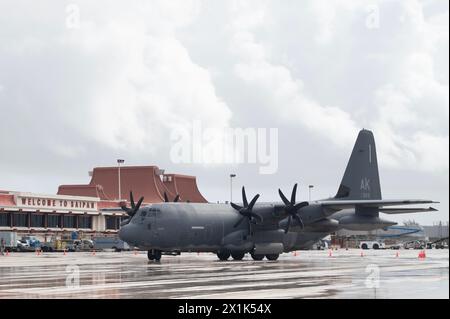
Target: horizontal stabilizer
column 343, row 204
column 407, row 210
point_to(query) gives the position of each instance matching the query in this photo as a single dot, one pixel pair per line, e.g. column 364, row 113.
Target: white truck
column 371, row 245
column 10, row 240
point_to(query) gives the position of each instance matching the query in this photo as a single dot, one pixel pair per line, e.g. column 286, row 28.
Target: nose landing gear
column 154, row 255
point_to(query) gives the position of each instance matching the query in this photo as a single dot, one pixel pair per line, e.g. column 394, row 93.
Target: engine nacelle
column 324, row 226
column 361, row 222
column 311, row 214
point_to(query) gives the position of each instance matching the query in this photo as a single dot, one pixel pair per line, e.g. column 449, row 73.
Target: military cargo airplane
column 265, row 230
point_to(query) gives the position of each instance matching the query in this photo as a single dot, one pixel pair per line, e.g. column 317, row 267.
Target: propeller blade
column 253, row 202
column 132, row 201
column 138, row 204
column 294, row 194
column 286, row 230
column 300, row 221
column 244, row 197
column 176, row 199
column 283, row 198
column 239, row 222
column 236, row 207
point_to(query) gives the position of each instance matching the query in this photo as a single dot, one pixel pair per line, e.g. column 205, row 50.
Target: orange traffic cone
column 330, row 253
column 64, row 252
column 362, row 254
column 135, row 252
column 93, row 252
column 7, row 252
column 397, row 254
column 295, row 253
column 422, row 255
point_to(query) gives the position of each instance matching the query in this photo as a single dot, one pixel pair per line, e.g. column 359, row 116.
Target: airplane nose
column 125, row 233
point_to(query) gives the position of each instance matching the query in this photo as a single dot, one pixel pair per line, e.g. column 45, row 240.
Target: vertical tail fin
column 361, row 179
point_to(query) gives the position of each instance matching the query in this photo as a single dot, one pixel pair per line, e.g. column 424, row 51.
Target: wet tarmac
column 305, row 274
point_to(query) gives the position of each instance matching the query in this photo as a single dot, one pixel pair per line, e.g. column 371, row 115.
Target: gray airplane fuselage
column 267, row 229
column 210, row 228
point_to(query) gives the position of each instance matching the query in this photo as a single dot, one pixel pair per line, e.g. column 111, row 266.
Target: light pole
column 231, row 186
column 310, row 189
column 120, row 161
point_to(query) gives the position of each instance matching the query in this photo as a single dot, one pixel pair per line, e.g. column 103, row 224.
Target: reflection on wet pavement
column 309, row 274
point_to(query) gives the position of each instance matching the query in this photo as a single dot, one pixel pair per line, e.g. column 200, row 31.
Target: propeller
column 166, row 198
column 247, row 210
column 292, row 208
column 134, row 207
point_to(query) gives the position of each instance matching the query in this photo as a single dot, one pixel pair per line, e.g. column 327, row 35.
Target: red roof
column 141, row 180
column 83, row 190
column 185, row 186
column 7, row 200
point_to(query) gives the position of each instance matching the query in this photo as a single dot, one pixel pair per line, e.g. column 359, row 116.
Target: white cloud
column 122, row 79
column 410, row 109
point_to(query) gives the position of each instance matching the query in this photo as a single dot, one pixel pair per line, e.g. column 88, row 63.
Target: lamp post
column 120, row 161
column 231, row 186
column 310, row 189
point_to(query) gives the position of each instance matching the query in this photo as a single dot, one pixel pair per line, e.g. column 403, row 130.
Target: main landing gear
column 154, row 255
column 224, row 256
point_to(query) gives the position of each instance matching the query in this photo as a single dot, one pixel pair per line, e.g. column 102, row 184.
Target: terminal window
column 37, row 220
column 5, row 219
column 69, row 222
column 112, row 222
column 85, row 222
column 20, row 220
column 53, row 221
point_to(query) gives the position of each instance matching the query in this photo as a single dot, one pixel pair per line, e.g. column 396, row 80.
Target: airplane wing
column 343, row 204
column 406, row 210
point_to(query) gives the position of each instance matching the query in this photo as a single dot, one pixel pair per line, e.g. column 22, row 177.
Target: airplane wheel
column 238, row 256
column 157, row 254
column 257, row 257
column 223, row 256
column 150, row 255
column 272, row 257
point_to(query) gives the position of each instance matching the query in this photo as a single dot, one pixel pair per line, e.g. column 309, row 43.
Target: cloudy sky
column 83, row 83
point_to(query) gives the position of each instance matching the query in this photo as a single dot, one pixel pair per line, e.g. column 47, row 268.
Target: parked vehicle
column 415, row 245
column 371, row 245
column 101, row 243
column 28, row 243
column 83, row 245
column 10, row 239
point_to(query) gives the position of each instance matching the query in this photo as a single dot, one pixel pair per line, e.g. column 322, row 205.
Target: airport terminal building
column 93, row 208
